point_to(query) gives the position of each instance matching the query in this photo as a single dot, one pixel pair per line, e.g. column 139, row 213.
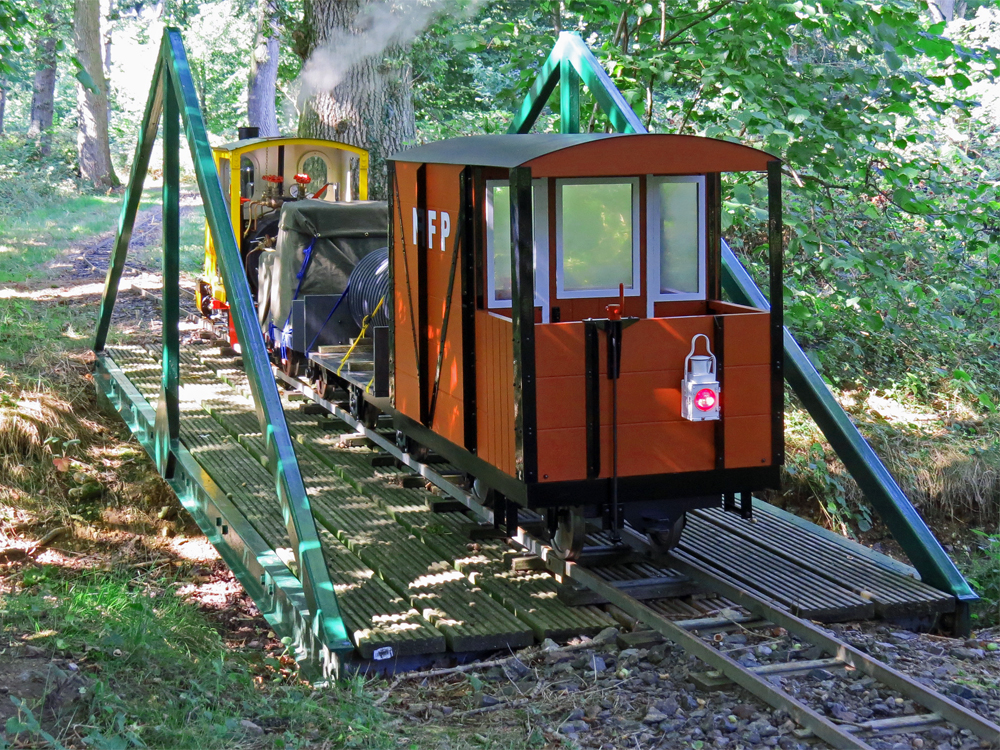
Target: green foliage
column 13, row 20
column 468, row 72
column 891, row 201
column 27, row 723
column 218, row 41
column 984, row 575
column 830, row 487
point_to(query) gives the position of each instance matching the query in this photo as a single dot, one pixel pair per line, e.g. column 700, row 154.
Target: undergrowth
column 983, row 569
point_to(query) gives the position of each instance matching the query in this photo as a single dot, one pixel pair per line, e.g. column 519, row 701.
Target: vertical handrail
column 167, row 425
column 172, row 81
column 935, row 567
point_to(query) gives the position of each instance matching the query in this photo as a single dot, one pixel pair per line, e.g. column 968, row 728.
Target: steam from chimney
column 379, row 25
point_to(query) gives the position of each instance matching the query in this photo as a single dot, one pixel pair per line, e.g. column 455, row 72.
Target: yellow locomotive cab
column 258, row 175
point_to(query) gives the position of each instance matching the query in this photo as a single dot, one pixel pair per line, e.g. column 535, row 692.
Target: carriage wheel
column 571, row 531
column 664, row 541
column 322, row 382
column 292, row 366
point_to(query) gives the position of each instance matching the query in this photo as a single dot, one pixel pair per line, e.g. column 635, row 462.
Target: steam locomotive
column 545, row 313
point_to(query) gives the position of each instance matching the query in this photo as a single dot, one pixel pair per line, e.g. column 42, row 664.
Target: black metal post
column 775, row 231
column 423, row 352
column 468, row 261
column 523, row 317
column 168, row 409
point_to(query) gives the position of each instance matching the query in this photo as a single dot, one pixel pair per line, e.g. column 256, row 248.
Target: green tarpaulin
column 340, row 233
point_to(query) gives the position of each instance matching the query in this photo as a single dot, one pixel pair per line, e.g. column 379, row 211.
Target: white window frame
column 653, row 242
column 326, row 160
column 635, row 290
column 540, row 238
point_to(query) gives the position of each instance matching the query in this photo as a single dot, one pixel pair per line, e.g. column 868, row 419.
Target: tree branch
column 649, row 100
column 711, row 12
column 687, row 114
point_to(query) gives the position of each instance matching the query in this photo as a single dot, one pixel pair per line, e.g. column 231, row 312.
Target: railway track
column 832, row 662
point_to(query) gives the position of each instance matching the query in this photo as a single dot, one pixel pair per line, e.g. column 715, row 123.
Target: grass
column 160, row 675
column 35, row 237
column 948, row 465
column 41, row 319
column 162, row 665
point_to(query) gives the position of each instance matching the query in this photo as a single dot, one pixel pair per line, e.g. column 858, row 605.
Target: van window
column 676, row 235
column 598, row 238
column 498, row 243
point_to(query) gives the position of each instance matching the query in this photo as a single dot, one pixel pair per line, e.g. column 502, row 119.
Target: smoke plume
column 379, row 25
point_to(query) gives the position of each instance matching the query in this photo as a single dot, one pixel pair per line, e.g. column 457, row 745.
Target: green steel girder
column 173, row 95
column 569, row 64
column 265, row 577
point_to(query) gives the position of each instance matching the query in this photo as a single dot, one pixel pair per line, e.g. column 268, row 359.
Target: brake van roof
column 593, row 154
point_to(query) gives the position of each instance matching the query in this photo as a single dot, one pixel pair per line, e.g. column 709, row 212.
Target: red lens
column 705, row 399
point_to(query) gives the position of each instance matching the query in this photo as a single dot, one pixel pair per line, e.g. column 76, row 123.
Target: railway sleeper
column 882, row 727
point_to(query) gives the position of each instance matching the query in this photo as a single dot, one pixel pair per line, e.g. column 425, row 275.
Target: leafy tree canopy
column 891, row 197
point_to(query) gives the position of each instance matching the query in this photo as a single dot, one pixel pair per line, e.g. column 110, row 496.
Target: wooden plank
column 642, row 589
column 375, row 615
column 892, row 595
column 803, row 592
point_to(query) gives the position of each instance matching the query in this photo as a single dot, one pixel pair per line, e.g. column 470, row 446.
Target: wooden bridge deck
column 409, row 578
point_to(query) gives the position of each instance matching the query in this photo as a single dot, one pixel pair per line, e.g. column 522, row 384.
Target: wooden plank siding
column 495, row 389
column 405, row 292
column 442, row 196
column 653, row 438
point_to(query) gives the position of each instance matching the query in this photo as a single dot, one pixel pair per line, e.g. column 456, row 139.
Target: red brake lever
column 615, row 310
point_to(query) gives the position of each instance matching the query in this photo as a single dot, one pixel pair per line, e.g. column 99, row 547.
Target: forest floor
column 120, row 626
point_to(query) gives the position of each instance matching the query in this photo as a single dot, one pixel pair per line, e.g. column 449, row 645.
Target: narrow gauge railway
column 505, row 458
column 365, row 500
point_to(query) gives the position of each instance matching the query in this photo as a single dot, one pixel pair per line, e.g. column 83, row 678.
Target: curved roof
column 254, row 143
column 593, row 154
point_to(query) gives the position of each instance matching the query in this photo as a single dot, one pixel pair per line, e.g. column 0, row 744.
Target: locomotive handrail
column 572, row 61
column 173, row 94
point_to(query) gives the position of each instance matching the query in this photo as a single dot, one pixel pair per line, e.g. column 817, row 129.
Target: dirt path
column 89, row 258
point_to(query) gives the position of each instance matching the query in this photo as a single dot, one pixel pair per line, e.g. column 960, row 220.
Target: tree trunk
column 357, row 86
column 264, row 73
column 44, row 87
column 92, row 143
column 3, row 104
column 941, row 10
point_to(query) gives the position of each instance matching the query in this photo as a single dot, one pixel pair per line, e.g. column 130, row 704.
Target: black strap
column 406, row 267
column 447, row 306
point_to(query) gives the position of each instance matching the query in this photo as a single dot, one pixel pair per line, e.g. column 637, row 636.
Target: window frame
column 540, row 248
column 636, row 288
column 654, row 294
column 327, row 161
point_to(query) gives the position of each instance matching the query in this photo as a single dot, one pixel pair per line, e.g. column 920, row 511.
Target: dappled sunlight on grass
column 53, row 293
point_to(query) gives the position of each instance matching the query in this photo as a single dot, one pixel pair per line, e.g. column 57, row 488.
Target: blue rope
column 307, row 256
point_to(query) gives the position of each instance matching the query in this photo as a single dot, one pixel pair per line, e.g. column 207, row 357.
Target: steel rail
column 836, row 735
column 939, row 704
